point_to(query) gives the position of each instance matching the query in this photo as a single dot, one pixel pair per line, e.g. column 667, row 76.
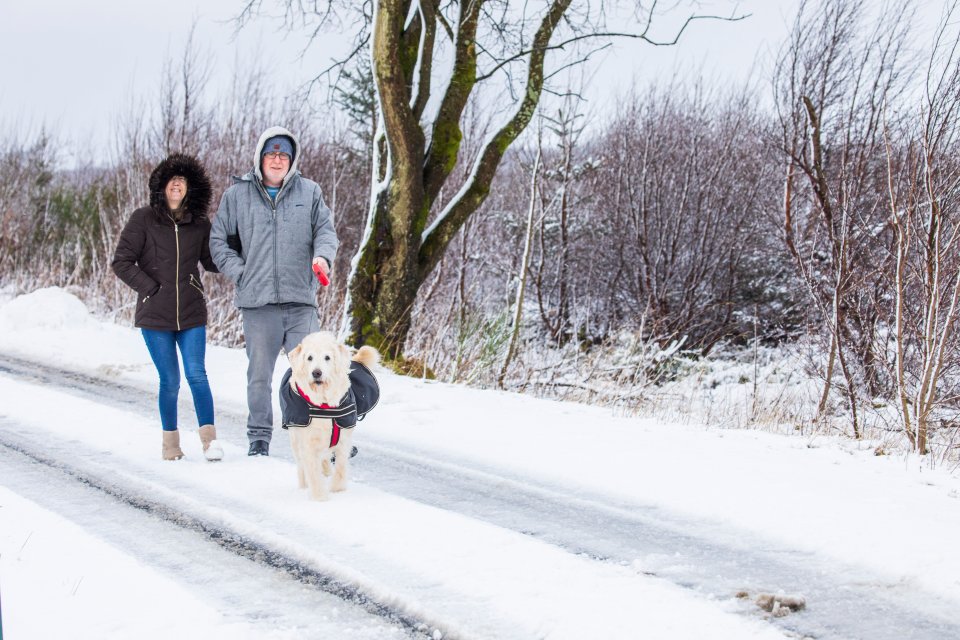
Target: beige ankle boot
column 212, row 450
column 171, row 445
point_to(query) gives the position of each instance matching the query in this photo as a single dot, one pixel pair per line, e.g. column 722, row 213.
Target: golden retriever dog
column 320, row 367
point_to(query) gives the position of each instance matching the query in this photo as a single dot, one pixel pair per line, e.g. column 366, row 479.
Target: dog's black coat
column 360, row 399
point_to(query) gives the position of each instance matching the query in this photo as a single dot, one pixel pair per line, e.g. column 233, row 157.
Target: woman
column 157, row 256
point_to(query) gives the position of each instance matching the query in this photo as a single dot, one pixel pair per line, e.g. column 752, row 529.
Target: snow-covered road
column 431, row 567
column 241, row 591
column 594, row 529
column 564, row 522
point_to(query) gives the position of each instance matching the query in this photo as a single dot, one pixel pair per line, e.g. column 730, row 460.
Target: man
column 271, row 230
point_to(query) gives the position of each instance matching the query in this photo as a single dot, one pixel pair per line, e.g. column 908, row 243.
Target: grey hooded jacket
column 267, row 248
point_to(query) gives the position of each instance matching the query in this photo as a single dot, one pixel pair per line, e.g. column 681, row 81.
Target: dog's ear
column 342, row 358
column 294, row 355
column 344, row 352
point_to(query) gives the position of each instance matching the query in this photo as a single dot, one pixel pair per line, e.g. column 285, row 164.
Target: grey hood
column 266, row 135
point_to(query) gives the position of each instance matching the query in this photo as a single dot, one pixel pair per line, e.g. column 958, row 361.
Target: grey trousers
column 265, row 330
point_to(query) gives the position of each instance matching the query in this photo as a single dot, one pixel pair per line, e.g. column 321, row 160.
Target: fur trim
column 198, row 185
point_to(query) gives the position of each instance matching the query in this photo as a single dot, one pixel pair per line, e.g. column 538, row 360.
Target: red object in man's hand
column 321, row 276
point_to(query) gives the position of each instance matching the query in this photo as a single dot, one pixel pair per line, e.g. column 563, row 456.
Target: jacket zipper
column 176, row 289
column 276, row 250
column 276, row 247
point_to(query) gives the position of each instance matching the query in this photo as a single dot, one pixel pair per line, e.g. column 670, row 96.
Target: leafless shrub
column 833, row 78
column 924, row 195
column 677, row 226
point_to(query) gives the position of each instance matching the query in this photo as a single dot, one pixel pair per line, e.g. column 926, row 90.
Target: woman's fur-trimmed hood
column 198, row 185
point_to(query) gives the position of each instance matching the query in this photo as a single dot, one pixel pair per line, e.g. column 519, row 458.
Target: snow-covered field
column 888, row 521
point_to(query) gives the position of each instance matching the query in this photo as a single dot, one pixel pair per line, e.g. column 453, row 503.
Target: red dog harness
column 335, row 434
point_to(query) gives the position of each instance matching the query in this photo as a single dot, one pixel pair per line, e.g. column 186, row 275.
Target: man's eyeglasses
column 277, row 155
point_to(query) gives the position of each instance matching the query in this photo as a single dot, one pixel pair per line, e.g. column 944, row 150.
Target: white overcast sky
column 75, row 67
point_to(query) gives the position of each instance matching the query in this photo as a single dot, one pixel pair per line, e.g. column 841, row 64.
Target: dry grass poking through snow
column 771, row 389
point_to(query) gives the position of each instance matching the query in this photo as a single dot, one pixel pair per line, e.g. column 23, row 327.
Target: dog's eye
column 327, row 358
column 309, row 358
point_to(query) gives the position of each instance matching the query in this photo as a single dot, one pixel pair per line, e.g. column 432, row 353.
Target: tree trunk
column 522, row 284
column 828, row 377
column 398, row 251
column 386, row 281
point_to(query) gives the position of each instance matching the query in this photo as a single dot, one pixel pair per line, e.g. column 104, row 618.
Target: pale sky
column 75, row 67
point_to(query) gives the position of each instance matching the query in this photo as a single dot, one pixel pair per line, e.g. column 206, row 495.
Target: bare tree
column 924, row 179
column 183, row 122
column 473, row 46
column 522, row 270
column 559, row 195
column 833, row 78
column 677, row 214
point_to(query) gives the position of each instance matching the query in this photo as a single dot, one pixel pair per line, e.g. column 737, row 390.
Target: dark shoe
column 259, row 448
column 353, row 452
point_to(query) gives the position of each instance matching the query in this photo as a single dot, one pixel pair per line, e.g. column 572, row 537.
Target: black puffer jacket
column 157, row 256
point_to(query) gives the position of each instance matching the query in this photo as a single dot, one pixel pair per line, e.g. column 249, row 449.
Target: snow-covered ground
column 890, row 521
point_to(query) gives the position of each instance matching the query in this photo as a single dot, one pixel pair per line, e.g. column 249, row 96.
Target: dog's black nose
column 317, row 375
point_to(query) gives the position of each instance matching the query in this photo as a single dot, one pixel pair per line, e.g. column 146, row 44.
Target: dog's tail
column 367, row 356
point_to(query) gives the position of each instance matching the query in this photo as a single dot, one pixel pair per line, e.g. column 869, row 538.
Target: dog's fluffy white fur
column 321, row 367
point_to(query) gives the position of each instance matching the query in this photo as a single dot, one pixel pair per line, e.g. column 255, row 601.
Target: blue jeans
column 162, row 346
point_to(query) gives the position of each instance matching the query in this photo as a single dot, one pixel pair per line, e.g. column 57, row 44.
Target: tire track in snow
column 245, row 594
column 240, row 545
